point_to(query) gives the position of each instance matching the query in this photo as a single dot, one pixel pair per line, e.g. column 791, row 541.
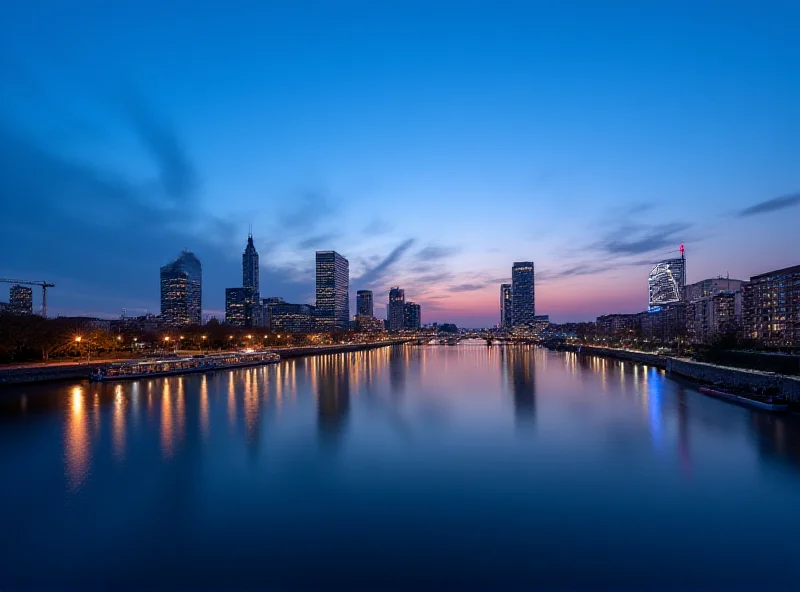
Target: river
column 411, row 466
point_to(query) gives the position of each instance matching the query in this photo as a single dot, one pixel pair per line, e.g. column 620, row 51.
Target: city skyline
column 122, row 150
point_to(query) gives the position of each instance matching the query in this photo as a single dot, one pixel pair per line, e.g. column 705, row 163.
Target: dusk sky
column 431, row 143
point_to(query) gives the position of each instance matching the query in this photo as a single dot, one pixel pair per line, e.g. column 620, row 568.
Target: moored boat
column 135, row 369
column 767, row 403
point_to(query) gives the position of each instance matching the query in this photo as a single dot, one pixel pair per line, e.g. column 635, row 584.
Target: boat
column 768, row 403
column 136, row 369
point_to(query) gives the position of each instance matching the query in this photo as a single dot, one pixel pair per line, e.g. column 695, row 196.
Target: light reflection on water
column 413, row 460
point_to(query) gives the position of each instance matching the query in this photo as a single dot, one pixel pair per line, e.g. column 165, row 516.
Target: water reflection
column 520, row 362
column 77, row 444
column 333, row 396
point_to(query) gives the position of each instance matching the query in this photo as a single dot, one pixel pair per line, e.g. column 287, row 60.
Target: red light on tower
column 681, row 250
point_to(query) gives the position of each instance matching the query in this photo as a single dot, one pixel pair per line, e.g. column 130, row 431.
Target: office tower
column 396, row 309
column 772, row 308
column 412, row 316
column 711, row 287
column 250, row 268
column 236, row 306
column 333, row 291
column 292, row 318
column 181, row 291
column 667, row 282
column 506, row 318
column 523, row 296
column 364, row 306
column 20, row 300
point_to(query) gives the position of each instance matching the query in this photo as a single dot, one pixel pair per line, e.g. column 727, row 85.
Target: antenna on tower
column 250, row 231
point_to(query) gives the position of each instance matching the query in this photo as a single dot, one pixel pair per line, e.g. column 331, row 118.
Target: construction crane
column 44, row 286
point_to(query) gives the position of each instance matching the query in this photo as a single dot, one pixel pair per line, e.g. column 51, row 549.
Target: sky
column 431, row 143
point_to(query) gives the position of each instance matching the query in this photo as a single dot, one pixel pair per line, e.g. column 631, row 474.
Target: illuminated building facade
column 20, row 300
column 292, row 318
column 333, row 291
column 772, row 308
column 396, row 309
column 364, row 303
column 236, row 305
column 506, row 318
column 523, row 294
column 666, row 282
column 714, row 315
column 181, row 291
column 412, row 316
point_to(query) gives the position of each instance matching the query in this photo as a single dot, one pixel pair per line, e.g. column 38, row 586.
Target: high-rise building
column 396, row 309
column 181, row 291
column 20, row 300
column 266, row 307
column 333, row 291
column 714, row 315
column 412, row 316
column 523, row 294
column 250, row 274
column 364, row 305
column 506, row 318
column 236, row 306
column 772, row 308
column 253, row 315
column 667, row 282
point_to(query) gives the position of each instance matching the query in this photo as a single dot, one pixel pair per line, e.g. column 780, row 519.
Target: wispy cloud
column 317, row 241
column 377, row 273
column 436, row 252
column 467, row 287
column 772, row 205
column 376, row 227
column 631, row 239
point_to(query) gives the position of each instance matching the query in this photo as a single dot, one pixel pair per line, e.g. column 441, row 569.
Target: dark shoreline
column 701, row 373
column 41, row 374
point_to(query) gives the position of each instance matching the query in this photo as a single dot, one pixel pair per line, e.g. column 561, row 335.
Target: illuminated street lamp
column 78, row 340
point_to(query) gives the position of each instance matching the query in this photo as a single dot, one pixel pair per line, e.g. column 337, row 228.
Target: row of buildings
column 20, row 300
column 181, row 299
column 764, row 311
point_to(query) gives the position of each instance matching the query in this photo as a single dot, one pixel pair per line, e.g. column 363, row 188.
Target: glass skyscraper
column 235, row 306
column 333, row 291
column 666, row 282
column 412, row 315
column 396, row 310
column 506, row 319
column 364, row 304
column 250, row 284
column 523, row 295
column 181, row 291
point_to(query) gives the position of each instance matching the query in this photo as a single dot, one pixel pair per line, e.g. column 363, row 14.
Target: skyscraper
column 364, row 305
column 396, row 310
column 235, row 306
column 20, row 300
column 506, row 318
column 333, row 291
column 412, row 316
column 252, row 299
column 667, row 282
column 250, row 268
column 523, row 295
column 181, row 290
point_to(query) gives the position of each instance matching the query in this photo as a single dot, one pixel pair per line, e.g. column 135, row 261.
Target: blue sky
column 432, row 144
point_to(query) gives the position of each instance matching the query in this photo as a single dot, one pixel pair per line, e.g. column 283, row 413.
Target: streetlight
column 78, row 340
column 203, row 348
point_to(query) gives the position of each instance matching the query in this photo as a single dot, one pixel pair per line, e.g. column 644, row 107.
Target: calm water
column 468, row 466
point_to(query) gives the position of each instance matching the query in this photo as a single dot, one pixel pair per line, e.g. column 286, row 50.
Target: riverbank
column 703, row 372
column 60, row 371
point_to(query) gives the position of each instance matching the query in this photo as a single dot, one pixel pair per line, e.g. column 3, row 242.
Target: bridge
column 490, row 338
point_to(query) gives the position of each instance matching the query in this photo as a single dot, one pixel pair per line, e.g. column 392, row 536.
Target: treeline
column 28, row 338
